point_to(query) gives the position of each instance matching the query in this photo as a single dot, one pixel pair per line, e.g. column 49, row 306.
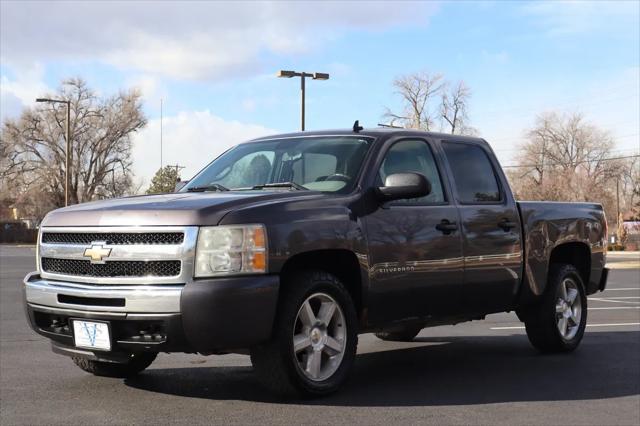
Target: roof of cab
column 375, row 132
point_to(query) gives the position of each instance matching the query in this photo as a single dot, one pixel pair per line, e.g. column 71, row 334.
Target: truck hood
column 180, row 209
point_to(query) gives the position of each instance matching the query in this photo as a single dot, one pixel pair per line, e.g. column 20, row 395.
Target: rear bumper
column 603, row 279
column 205, row 316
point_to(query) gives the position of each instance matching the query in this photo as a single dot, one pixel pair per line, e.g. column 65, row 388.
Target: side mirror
column 180, row 184
column 404, row 185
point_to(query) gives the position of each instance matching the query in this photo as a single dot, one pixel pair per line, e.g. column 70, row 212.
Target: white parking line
column 599, row 299
column 615, row 298
column 621, row 324
column 614, row 307
column 622, row 289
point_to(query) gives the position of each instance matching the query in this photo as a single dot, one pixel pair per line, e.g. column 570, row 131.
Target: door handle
column 506, row 225
column 446, row 227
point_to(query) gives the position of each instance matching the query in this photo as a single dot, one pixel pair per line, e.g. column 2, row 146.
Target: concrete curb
column 623, row 254
column 624, row 265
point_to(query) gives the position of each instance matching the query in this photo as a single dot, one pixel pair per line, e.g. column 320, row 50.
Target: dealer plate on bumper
column 92, row 335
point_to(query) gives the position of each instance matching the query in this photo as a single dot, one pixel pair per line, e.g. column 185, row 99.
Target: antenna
column 357, row 127
column 390, row 126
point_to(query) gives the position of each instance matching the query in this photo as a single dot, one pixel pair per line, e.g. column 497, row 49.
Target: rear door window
column 473, row 175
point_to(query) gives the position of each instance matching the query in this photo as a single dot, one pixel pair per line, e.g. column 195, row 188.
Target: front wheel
column 314, row 339
column 136, row 363
column 557, row 323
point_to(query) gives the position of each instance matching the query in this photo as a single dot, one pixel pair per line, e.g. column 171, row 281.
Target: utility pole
column 68, row 159
column 178, row 168
column 617, row 206
column 161, row 134
column 302, row 102
column 544, row 153
column 302, row 75
column 68, row 153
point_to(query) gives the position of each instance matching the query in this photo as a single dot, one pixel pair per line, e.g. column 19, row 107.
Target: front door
column 415, row 262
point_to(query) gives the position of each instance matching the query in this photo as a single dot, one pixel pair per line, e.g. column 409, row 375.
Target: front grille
column 112, row 269
column 113, row 238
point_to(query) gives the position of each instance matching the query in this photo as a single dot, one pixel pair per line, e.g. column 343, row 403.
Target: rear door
column 490, row 227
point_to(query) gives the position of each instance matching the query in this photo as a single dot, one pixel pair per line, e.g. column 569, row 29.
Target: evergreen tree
column 164, row 181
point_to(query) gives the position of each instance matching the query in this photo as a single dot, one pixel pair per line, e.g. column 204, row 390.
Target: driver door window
column 413, row 156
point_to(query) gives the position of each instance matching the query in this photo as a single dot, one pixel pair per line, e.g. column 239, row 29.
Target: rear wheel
column 137, row 362
column 558, row 322
column 407, row 334
column 314, row 340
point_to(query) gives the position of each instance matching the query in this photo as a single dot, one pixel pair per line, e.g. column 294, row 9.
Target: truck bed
column 549, row 226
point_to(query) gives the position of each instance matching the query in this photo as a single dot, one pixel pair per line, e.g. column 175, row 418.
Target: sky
column 213, row 64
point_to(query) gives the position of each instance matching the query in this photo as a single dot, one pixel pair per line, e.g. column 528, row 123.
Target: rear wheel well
column 339, row 262
column 576, row 254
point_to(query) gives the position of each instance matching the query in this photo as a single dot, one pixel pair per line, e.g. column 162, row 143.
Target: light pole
column 67, row 172
column 302, row 75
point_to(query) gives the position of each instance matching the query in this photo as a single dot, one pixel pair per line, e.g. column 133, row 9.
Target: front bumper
column 206, row 316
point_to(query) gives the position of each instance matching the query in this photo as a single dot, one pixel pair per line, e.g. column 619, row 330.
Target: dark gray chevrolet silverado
column 288, row 247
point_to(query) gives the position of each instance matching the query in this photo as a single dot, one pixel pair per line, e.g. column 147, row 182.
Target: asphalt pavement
column 482, row 372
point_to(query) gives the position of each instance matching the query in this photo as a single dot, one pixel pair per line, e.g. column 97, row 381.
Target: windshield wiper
column 212, row 187
column 281, row 185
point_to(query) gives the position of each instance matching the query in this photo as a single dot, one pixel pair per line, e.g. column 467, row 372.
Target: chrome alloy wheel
column 568, row 309
column 319, row 337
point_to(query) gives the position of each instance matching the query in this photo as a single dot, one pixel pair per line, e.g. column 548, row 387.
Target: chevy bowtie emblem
column 97, row 253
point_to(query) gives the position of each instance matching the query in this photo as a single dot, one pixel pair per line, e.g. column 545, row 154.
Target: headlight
column 233, row 249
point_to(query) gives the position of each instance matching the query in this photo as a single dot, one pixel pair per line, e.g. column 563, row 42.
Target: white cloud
column 188, row 40
column 150, row 86
column 567, row 17
column 21, row 91
column 10, row 105
column 191, row 139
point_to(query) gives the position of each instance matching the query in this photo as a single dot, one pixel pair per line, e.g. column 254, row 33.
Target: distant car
column 287, row 247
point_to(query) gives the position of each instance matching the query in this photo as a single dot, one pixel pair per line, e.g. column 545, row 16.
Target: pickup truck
column 288, row 247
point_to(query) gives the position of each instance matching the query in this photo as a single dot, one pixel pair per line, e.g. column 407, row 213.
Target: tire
column 137, row 363
column 544, row 321
column 407, row 334
column 291, row 371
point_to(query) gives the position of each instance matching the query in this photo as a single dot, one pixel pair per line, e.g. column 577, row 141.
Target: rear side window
column 473, row 174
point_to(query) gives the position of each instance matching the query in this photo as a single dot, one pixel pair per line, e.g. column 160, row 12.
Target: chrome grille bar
column 135, row 263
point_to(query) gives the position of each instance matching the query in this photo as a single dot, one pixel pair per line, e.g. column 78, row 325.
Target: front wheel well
column 576, row 254
column 341, row 263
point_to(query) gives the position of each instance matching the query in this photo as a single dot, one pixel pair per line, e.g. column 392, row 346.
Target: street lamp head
column 55, row 101
column 320, row 76
column 286, row 74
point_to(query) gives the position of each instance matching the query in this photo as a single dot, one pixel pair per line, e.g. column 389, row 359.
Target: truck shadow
column 445, row 371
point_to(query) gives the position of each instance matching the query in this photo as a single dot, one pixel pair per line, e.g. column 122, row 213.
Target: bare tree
column 567, row 159
column 430, row 102
column 453, row 109
column 101, row 128
column 418, row 91
column 629, row 187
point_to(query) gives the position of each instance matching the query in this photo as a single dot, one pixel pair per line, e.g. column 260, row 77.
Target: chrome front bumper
column 143, row 299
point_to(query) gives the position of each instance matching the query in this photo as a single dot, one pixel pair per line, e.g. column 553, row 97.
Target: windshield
column 325, row 163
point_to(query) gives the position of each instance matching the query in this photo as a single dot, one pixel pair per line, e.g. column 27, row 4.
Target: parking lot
column 483, row 372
